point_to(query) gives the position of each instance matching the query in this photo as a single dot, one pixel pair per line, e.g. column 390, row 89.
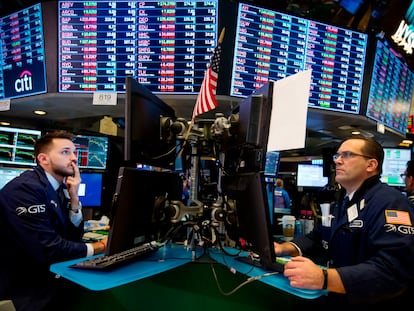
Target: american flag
column 397, row 217
column 206, row 99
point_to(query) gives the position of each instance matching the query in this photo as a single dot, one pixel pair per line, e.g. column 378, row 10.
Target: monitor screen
column 143, row 143
column 92, row 151
column 9, row 173
column 134, row 218
column 310, row 175
column 90, row 189
column 23, row 70
column 391, row 88
column 17, row 146
column 253, row 229
column 271, row 46
column 395, row 163
column 272, row 163
column 167, row 45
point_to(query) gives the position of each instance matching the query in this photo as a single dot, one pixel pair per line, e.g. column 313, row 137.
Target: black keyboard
column 110, row 262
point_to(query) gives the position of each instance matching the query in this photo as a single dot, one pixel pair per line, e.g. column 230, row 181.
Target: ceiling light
column 407, row 141
column 355, row 132
column 4, row 123
column 40, row 112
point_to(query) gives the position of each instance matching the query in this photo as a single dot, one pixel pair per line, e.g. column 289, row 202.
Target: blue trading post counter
column 168, row 258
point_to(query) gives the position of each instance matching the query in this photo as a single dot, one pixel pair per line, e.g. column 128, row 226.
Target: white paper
column 289, row 112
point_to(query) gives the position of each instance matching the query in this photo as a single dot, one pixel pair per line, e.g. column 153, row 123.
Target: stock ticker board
column 22, row 70
column 272, row 45
column 168, row 45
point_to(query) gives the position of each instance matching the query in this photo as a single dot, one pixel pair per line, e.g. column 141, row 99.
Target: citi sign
column 24, row 82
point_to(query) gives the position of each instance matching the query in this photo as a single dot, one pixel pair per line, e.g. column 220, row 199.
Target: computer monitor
column 90, row 189
column 135, row 206
column 142, row 139
column 9, row 173
column 247, row 193
column 272, row 163
column 310, row 175
column 395, row 163
column 246, row 151
column 92, row 151
column 17, row 146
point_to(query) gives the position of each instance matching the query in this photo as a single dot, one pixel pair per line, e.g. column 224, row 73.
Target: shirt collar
column 55, row 184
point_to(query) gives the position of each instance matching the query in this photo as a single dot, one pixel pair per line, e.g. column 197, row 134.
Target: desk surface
column 164, row 259
column 275, row 280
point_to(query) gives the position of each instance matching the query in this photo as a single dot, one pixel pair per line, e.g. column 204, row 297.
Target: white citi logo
column 24, row 83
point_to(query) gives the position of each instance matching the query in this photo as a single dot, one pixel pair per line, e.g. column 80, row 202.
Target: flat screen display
column 395, row 163
column 17, row 146
column 92, row 151
column 310, row 175
column 272, row 163
column 391, row 88
column 90, row 189
column 168, row 45
column 22, row 67
column 9, row 173
column 271, row 46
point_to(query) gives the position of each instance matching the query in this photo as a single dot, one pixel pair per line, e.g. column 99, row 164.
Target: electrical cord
column 249, row 280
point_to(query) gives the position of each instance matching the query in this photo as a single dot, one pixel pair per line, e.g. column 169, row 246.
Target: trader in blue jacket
column 366, row 242
column 38, row 227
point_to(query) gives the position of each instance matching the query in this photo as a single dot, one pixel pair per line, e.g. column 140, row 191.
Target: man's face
column 61, row 157
column 352, row 164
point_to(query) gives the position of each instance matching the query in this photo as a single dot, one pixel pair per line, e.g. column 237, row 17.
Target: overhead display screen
column 167, row 45
column 391, row 89
column 23, row 70
column 272, row 45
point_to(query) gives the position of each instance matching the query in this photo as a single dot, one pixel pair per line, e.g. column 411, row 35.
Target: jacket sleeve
column 34, row 224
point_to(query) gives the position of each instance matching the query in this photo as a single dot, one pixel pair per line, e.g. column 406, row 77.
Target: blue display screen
column 90, row 190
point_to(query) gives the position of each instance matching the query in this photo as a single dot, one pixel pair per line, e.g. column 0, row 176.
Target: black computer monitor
column 143, row 143
column 247, row 193
column 246, row 150
column 135, row 205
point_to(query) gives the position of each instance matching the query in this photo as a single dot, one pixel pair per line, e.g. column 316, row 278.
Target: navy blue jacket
column 34, row 233
column 371, row 243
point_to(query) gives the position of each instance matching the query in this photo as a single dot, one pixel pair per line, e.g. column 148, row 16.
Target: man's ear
column 373, row 164
column 42, row 158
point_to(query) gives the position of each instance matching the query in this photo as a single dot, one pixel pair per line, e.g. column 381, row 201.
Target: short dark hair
column 44, row 142
column 409, row 171
column 372, row 149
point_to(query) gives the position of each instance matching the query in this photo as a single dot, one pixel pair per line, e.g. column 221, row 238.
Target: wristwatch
column 76, row 208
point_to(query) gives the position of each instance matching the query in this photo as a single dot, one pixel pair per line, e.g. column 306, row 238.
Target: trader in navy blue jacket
column 38, row 228
column 366, row 241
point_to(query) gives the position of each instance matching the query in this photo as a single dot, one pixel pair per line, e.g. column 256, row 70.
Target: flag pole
column 190, row 126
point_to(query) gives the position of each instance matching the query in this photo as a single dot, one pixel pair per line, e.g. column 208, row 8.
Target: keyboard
column 110, row 262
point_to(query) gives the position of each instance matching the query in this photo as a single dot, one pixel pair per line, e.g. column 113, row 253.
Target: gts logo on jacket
column 33, row 209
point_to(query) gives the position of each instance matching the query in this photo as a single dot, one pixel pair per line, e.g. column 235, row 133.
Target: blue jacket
column 34, row 233
column 371, row 244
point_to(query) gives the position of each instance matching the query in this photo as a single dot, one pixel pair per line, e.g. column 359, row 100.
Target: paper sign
column 289, row 112
column 104, row 98
column 5, row 104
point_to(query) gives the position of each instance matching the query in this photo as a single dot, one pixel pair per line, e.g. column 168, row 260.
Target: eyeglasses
column 348, row 154
column 403, row 175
